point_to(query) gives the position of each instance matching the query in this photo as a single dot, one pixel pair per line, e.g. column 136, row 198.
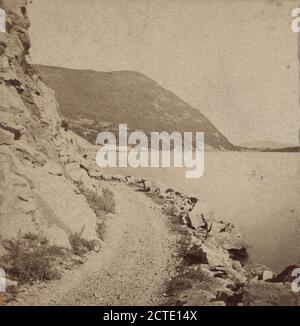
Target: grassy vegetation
column 65, row 125
column 79, row 245
column 101, row 229
column 186, row 280
column 158, row 199
column 178, row 284
column 169, row 210
column 107, row 202
column 101, row 205
column 31, row 258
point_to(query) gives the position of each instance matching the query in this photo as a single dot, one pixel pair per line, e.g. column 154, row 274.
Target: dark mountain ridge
column 93, row 101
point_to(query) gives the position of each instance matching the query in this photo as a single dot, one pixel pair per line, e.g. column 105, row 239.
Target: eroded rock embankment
column 38, row 158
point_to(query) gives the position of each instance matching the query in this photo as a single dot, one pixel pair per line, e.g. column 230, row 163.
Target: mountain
column 94, row 101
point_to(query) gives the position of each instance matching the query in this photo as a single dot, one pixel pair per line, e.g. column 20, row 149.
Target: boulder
column 202, row 281
column 227, row 236
column 256, row 270
column 208, row 278
column 106, row 177
column 286, row 274
column 228, row 272
column 262, row 293
column 152, row 187
column 267, row 275
column 199, row 214
column 163, row 190
column 208, row 253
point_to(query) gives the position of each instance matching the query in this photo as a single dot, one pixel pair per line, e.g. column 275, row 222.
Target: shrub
column 107, row 202
column 100, row 230
column 178, row 284
column 100, row 204
column 65, row 125
column 31, row 258
column 158, row 199
column 169, row 210
column 79, row 245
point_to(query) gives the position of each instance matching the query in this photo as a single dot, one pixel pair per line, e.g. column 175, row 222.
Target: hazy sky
column 234, row 60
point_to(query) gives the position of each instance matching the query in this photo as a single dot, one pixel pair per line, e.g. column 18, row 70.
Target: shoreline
column 256, row 192
column 212, row 267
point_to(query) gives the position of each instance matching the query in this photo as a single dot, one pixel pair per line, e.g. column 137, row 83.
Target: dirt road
column 131, row 267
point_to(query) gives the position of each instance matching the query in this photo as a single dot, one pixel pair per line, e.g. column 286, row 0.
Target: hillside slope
column 94, row 101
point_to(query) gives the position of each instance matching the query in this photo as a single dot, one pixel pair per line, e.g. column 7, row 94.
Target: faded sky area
column 236, row 61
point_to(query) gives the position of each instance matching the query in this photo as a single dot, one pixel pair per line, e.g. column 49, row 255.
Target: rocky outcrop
column 39, row 160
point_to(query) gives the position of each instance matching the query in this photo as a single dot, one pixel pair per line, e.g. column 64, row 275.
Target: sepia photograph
column 149, row 155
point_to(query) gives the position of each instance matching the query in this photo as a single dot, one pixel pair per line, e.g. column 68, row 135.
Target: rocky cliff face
column 37, row 156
